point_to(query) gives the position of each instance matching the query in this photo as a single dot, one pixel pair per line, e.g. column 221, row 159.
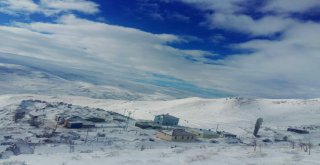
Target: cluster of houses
column 167, row 126
column 77, row 122
column 169, row 130
column 68, row 121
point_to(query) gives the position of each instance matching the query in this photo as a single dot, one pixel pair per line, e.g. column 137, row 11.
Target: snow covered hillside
column 234, row 115
column 229, row 113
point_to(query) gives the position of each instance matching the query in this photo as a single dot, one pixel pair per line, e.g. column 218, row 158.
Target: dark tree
column 257, row 127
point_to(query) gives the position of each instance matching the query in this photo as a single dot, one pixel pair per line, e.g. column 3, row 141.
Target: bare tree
column 306, row 147
column 257, row 127
column 71, row 146
column 309, row 147
column 292, row 144
column 143, row 147
column 254, row 145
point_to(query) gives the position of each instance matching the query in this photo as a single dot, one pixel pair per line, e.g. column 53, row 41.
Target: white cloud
column 229, row 15
column 101, row 47
column 47, row 7
column 276, row 6
column 242, row 23
column 285, row 6
column 284, row 68
column 18, row 6
column 83, row 6
column 225, row 6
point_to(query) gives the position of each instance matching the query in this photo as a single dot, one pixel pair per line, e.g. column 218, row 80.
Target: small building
column 203, row 133
column 166, row 120
column 147, row 125
column 299, row 131
column 60, row 118
column 120, row 119
column 95, row 119
column 73, row 122
column 88, row 124
column 176, row 135
column 36, row 118
column 35, row 115
column 229, row 135
column 76, row 122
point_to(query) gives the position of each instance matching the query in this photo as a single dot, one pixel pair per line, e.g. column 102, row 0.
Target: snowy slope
column 231, row 114
column 180, row 156
column 236, row 115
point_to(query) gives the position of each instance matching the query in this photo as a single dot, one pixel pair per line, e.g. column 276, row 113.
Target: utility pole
column 124, row 114
column 128, row 119
column 87, row 135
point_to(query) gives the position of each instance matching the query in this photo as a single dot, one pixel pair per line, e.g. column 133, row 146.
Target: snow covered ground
column 235, row 115
column 214, row 155
column 229, row 113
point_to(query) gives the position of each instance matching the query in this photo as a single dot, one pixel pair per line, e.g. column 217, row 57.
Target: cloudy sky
column 251, row 48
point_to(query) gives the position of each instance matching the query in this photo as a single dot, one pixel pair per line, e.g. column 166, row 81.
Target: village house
column 60, row 118
column 147, row 125
column 229, row 135
column 36, row 118
column 73, row 120
column 95, row 119
column 203, row 133
column 166, row 120
column 88, row 124
column 76, row 122
column 79, row 124
column 299, row 131
column 36, row 115
column 176, row 135
column 73, row 124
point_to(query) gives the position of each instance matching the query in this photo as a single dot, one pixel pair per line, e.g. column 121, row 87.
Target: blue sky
column 171, row 17
column 207, row 48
